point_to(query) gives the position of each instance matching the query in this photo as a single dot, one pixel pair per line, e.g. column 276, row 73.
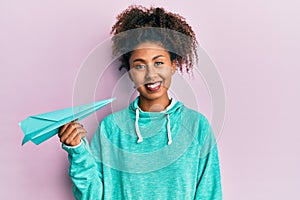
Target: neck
column 156, row 105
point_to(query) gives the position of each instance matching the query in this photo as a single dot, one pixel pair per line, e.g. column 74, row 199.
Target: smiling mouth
column 153, row 86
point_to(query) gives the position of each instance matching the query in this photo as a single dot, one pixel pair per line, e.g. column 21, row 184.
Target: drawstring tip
column 169, row 142
column 139, row 140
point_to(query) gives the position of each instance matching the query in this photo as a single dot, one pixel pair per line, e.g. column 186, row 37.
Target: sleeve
column 85, row 171
column 209, row 179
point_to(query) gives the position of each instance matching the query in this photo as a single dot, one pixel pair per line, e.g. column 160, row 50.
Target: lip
column 153, row 86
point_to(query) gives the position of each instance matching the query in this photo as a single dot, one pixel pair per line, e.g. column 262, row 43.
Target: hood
column 169, row 113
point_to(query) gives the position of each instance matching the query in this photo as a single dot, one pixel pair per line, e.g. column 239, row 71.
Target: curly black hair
column 138, row 24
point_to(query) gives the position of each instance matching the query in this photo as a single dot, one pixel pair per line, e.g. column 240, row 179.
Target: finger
column 76, row 140
column 81, row 132
column 75, row 137
column 63, row 128
column 69, row 130
column 69, row 139
column 78, row 124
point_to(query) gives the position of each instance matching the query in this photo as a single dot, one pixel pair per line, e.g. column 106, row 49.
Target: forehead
column 149, row 50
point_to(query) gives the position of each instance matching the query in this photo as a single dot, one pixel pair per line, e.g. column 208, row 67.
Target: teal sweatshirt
column 148, row 155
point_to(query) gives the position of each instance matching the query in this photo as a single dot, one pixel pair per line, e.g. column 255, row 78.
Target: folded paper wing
column 39, row 128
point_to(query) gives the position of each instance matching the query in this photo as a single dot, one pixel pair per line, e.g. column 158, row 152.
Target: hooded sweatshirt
column 139, row 155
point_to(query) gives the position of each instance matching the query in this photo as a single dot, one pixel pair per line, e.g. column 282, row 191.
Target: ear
column 130, row 77
column 173, row 66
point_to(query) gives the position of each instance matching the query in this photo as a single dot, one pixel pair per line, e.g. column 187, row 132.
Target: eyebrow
column 142, row 60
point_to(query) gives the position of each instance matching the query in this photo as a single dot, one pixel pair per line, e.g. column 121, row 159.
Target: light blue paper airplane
column 39, row 128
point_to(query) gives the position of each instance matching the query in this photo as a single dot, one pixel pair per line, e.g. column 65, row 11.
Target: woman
column 156, row 148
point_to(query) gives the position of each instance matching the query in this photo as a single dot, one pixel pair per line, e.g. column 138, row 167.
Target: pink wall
column 255, row 45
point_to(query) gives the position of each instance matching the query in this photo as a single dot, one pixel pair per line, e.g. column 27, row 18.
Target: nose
column 150, row 72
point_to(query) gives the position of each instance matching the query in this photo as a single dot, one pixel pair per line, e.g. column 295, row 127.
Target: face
column 151, row 70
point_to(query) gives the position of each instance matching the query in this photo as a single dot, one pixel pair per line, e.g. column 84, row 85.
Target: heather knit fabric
column 148, row 155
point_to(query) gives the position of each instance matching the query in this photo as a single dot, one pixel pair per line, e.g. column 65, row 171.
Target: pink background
column 255, row 45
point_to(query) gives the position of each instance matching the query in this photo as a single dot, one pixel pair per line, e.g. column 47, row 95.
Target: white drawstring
column 137, row 129
column 169, row 130
column 138, row 132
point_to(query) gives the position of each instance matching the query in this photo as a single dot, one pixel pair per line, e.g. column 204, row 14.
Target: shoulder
column 124, row 113
column 119, row 119
column 197, row 123
column 191, row 114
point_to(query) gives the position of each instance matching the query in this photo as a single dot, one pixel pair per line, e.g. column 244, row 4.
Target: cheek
column 166, row 73
column 136, row 77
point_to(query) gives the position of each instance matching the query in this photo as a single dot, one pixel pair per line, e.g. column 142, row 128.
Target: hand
column 71, row 133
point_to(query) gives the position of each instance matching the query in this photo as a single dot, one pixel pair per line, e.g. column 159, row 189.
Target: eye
column 139, row 67
column 158, row 63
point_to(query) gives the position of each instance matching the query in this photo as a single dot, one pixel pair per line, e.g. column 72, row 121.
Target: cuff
column 74, row 149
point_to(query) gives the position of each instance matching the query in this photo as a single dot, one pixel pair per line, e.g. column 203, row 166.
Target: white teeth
column 153, row 85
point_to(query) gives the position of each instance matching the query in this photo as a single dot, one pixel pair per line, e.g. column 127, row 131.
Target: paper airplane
column 39, row 128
